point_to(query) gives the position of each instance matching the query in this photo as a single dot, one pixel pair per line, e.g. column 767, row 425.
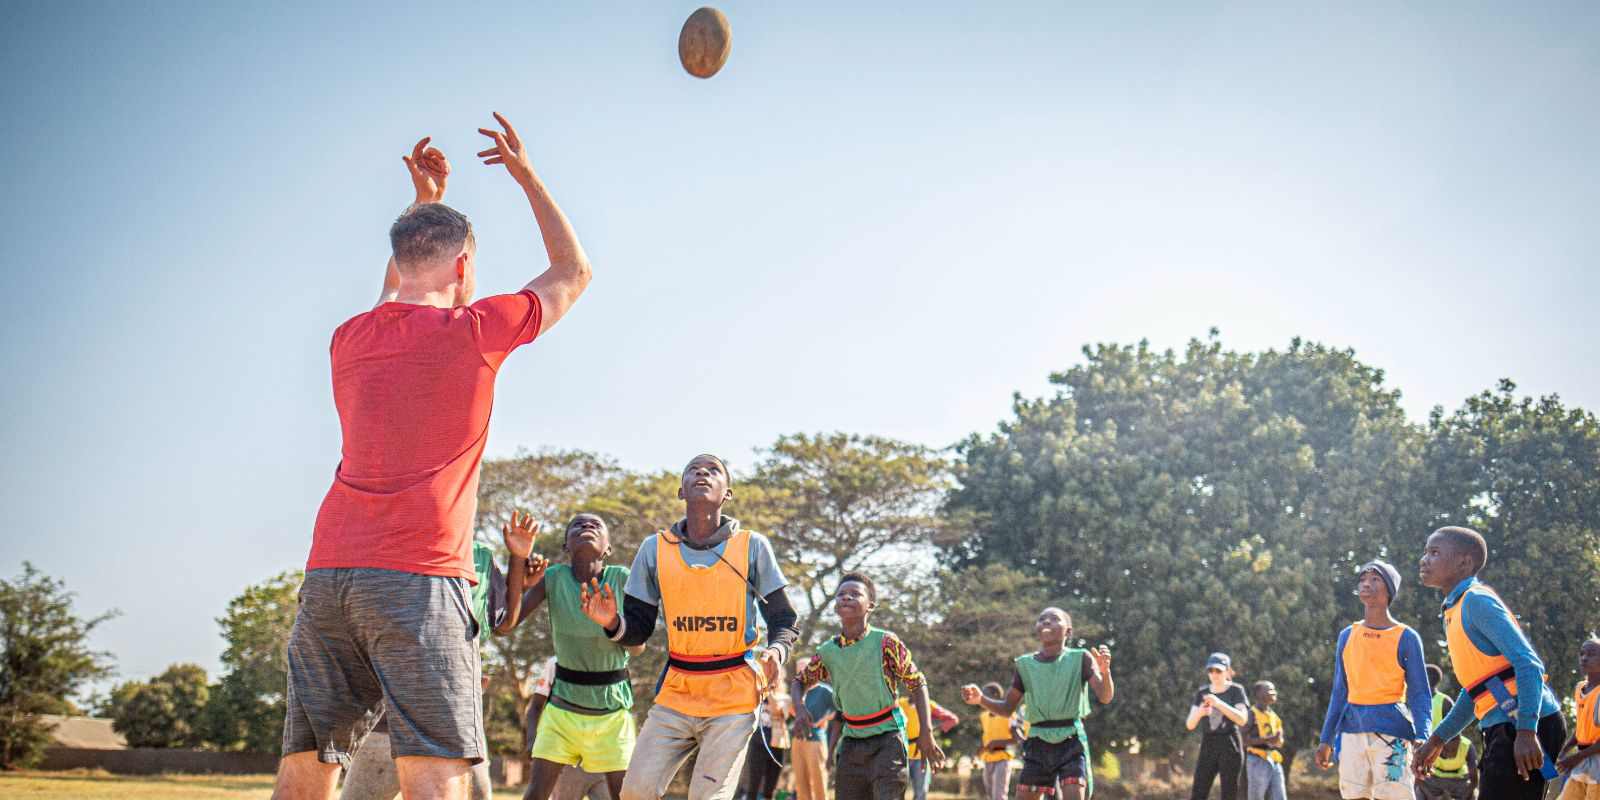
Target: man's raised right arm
column 559, row 286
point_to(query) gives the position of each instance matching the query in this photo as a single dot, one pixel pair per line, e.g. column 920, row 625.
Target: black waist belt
column 1481, row 688
column 577, row 709
column 718, row 665
column 1054, row 723
column 868, row 720
column 579, row 677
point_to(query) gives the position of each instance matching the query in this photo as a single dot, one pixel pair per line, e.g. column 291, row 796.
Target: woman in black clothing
column 1223, row 707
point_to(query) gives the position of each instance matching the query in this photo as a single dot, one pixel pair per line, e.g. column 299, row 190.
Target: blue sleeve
column 1484, row 613
column 1419, row 695
column 642, row 576
column 1461, row 715
column 1341, row 693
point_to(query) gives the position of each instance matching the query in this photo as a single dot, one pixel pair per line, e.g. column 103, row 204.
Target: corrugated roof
column 85, row 732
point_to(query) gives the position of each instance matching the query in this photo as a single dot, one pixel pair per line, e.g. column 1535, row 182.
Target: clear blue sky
column 879, row 218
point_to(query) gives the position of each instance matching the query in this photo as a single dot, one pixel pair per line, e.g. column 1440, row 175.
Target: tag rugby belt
column 578, row 677
column 875, row 718
column 1054, row 723
column 1496, row 685
column 706, row 664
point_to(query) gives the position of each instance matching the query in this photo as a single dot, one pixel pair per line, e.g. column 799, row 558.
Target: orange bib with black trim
column 1372, row 665
column 711, row 667
column 1583, row 701
column 1472, row 666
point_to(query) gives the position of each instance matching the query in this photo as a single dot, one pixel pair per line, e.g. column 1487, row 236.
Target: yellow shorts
column 597, row 743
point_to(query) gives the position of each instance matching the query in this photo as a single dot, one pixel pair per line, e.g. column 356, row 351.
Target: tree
column 841, row 502
column 46, row 657
column 1212, row 500
column 244, row 711
column 164, row 712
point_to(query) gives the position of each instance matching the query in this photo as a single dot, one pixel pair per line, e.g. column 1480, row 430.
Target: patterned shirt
column 897, row 664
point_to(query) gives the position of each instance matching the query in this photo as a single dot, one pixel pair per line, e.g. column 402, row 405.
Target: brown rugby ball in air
column 704, row 43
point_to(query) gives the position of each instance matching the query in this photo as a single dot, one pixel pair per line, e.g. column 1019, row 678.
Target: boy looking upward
column 865, row 664
column 1381, row 701
column 1053, row 685
column 1502, row 677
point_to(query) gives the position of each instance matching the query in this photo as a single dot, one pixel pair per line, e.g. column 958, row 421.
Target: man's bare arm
column 559, row 286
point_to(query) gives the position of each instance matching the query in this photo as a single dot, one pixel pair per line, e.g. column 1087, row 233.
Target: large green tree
column 164, row 711
column 44, row 657
column 1181, row 503
column 244, row 710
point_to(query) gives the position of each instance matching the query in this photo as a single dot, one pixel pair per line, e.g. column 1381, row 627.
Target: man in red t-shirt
column 385, row 614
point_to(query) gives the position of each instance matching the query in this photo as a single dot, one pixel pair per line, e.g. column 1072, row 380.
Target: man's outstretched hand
column 508, row 150
column 429, row 171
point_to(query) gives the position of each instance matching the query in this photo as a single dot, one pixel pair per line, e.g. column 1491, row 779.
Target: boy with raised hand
column 708, row 578
column 1053, row 686
column 588, row 720
column 384, row 609
column 1264, row 745
column 865, row 665
column 1381, row 701
column 1502, row 677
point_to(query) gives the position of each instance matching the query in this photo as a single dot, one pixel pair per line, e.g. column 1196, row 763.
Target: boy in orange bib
column 709, row 579
column 1582, row 768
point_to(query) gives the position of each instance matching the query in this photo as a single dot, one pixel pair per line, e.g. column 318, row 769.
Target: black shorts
column 1046, row 765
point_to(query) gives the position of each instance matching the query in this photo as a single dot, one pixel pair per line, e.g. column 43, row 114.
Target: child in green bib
column 864, row 664
column 1053, row 687
column 588, row 721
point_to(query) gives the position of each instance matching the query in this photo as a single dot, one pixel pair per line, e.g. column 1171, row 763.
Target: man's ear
column 461, row 266
column 680, row 491
column 729, row 496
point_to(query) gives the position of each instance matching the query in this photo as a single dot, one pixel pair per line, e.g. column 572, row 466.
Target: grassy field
column 100, row 785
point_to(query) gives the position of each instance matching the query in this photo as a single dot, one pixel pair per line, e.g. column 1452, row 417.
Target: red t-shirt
column 414, row 386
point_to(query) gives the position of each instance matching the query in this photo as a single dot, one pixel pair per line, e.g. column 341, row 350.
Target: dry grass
column 102, row 785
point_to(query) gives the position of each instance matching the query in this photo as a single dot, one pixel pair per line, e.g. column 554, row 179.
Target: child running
column 1053, row 687
column 1582, row 768
column 1000, row 734
column 708, row 578
column 865, row 664
column 1381, row 701
column 1263, row 754
column 1221, row 704
column 588, row 720
column 1503, row 678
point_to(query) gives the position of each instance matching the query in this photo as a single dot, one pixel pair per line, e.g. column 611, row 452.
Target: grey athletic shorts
column 369, row 638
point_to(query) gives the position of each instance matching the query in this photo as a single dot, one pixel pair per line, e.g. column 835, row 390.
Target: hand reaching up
column 429, row 171
column 519, row 534
column 1102, row 659
column 508, row 150
column 598, row 603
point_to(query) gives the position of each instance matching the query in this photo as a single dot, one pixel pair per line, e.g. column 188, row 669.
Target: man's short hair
column 1259, row 686
column 861, row 578
column 994, row 690
column 428, row 233
column 1469, row 542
